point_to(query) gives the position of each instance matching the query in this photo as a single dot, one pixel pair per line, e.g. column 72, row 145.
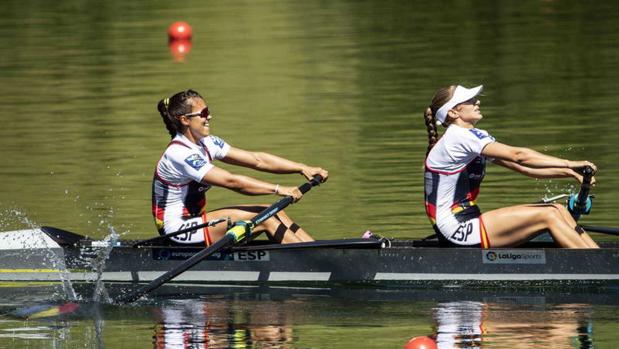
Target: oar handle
column 305, row 187
column 581, row 203
column 585, row 187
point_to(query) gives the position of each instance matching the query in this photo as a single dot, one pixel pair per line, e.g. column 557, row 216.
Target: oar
column 577, row 205
column 235, row 234
column 603, row 230
column 176, row 233
column 45, row 310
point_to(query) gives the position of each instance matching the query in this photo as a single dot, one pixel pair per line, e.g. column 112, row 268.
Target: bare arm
column 534, row 164
column 271, row 163
column 239, row 183
column 531, row 158
column 247, row 185
column 549, row 172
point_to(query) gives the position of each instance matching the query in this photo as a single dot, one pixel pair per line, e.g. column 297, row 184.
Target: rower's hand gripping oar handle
column 585, row 187
column 242, row 229
column 581, row 203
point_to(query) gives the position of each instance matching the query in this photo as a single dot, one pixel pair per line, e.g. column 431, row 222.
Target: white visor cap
column 461, row 94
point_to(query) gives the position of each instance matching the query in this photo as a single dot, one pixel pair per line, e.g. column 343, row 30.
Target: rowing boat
column 51, row 254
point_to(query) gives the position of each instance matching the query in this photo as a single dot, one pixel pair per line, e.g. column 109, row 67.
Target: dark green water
column 340, row 85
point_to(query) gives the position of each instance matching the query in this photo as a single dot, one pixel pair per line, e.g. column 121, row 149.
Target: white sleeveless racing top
column 177, row 189
column 454, row 170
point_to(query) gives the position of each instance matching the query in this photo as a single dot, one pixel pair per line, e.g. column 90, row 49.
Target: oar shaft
column 171, row 274
column 603, row 230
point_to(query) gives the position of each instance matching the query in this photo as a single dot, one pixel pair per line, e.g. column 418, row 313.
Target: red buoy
column 179, row 31
column 421, row 342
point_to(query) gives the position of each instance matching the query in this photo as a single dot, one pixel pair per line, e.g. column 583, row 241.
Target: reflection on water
column 191, row 324
column 471, row 324
column 233, row 317
column 459, row 324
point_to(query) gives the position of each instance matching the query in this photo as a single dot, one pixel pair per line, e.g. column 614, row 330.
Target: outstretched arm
column 247, row 185
column 530, row 158
column 550, row 172
column 534, row 164
column 271, row 163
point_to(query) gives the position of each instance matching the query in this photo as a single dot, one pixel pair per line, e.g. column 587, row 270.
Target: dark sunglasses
column 204, row 113
column 471, row 101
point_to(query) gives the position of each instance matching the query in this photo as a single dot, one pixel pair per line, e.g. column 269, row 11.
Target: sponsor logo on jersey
column 195, row 161
column 218, row 141
column 478, row 133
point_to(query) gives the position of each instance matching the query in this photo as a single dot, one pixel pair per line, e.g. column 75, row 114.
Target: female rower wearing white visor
column 455, row 167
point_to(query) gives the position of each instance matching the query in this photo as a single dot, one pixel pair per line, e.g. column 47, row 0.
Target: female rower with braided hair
column 186, row 171
column 455, row 167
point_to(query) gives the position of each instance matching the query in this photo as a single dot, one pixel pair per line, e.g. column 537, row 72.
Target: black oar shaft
column 603, row 230
column 233, row 235
column 171, row 274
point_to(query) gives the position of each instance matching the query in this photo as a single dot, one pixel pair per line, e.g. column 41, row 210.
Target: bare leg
column 512, row 226
column 590, row 242
column 583, row 234
column 298, row 231
column 275, row 227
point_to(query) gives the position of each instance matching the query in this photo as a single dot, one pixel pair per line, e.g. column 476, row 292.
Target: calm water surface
column 340, row 85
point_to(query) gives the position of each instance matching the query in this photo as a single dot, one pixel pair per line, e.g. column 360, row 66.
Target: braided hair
column 441, row 97
column 171, row 108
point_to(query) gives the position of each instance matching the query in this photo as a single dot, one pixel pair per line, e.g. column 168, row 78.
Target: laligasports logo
column 513, row 257
column 491, row 256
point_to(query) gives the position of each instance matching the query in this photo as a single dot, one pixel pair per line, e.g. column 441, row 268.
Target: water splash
column 10, row 216
column 107, row 244
column 553, row 188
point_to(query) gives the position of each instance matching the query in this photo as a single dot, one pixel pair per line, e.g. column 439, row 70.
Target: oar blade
column 41, row 311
